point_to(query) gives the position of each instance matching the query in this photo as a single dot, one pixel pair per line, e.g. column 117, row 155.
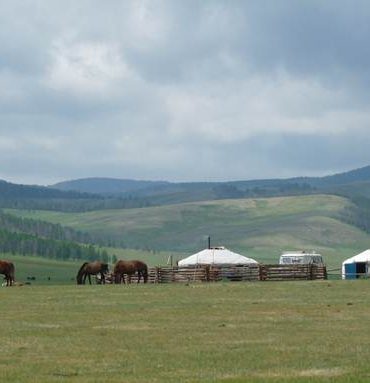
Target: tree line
column 74, row 205
column 358, row 214
column 44, row 198
column 44, row 229
column 27, row 236
column 26, row 244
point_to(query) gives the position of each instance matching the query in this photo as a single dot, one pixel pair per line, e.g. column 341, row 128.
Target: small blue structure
column 357, row 266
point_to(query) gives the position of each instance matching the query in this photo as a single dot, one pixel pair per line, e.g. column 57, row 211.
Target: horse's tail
column 81, row 273
column 11, row 272
column 145, row 273
column 116, row 275
column 117, row 278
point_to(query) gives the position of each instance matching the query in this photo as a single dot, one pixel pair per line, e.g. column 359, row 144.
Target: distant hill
column 258, row 217
column 48, row 198
column 108, row 193
column 163, row 193
column 353, row 176
column 106, row 186
column 9, row 190
column 261, row 228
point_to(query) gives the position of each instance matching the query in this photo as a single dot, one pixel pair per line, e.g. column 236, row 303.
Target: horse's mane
column 81, row 273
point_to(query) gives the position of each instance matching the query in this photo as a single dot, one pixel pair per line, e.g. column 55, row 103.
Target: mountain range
column 259, row 217
column 89, row 194
column 354, row 182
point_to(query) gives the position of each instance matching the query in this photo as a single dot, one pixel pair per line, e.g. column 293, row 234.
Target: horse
column 7, row 268
column 91, row 268
column 130, row 268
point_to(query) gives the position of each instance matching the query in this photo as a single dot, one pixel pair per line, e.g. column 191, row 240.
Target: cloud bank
column 183, row 90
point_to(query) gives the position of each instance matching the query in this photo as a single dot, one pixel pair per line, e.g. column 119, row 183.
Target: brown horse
column 7, row 268
column 130, row 268
column 91, row 268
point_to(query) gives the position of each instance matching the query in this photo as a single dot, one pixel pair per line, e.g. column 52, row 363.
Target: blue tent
column 357, row 266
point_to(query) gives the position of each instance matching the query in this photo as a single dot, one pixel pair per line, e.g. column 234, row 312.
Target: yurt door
column 350, row 270
column 361, row 269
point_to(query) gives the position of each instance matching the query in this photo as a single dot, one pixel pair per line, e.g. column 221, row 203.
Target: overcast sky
column 183, row 90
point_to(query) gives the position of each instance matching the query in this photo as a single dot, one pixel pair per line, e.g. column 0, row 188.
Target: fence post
column 262, row 272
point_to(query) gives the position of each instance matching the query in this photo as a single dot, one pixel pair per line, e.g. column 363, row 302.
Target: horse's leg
column 84, row 278
column 102, row 278
column 89, row 278
column 118, row 278
column 138, row 276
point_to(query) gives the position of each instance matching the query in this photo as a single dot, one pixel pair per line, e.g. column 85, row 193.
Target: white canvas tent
column 356, row 266
column 216, row 256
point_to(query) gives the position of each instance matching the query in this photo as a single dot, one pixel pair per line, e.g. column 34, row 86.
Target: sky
column 183, row 90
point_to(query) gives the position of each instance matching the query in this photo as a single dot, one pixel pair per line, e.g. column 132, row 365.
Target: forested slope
column 257, row 227
column 26, row 236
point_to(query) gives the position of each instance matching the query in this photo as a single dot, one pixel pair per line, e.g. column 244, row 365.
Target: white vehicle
column 300, row 258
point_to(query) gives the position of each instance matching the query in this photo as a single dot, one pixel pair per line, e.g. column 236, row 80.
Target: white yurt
column 216, row 256
column 356, row 266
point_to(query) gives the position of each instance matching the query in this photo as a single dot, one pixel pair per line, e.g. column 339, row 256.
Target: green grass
column 226, row 332
column 259, row 228
column 59, row 272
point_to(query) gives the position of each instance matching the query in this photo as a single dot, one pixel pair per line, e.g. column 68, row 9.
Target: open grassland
column 226, row 332
column 45, row 271
column 260, row 228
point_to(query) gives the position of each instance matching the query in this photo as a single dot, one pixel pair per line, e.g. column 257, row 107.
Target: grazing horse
column 130, row 268
column 7, row 268
column 91, row 268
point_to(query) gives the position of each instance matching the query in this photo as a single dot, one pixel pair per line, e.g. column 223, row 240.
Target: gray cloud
column 182, row 90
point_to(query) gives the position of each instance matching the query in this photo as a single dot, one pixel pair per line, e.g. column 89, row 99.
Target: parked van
column 300, row 258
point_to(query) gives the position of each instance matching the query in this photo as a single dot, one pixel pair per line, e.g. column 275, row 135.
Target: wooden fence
column 292, row 272
column 234, row 273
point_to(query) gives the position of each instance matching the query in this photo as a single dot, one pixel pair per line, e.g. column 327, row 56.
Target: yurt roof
column 362, row 257
column 216, row 255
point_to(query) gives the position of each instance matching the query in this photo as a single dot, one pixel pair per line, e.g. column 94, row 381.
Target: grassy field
column 259, row 228
column 59, row 272
column 226, row 332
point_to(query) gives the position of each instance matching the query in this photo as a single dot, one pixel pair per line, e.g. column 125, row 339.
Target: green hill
column 108, row 186
column 93, row 194
column 260, row 228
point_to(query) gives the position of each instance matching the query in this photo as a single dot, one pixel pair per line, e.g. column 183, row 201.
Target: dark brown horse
column 130, row 268
column 91, row 268
column 7, row 268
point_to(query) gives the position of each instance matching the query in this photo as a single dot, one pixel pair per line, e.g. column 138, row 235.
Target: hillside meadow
column 224, row 332
column 259, row 228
